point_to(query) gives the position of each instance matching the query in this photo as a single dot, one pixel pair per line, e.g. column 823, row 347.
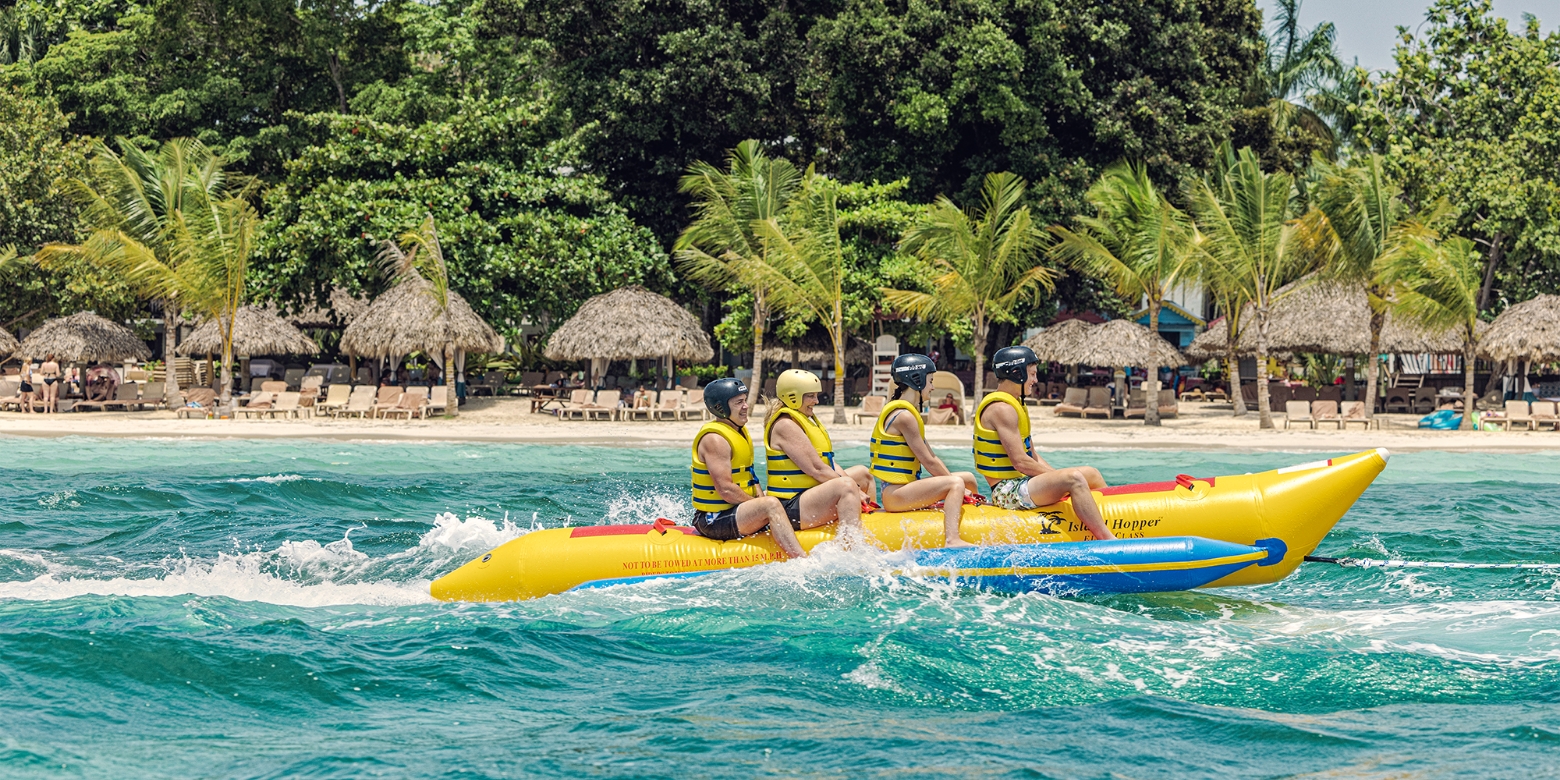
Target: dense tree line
column 547, row 137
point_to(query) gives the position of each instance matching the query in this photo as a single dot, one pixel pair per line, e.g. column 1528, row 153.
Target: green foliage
column 526, row 237
column 36, row 155
column 1471, row 116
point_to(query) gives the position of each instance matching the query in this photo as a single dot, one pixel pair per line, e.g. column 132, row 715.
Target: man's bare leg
column 863, row 478
column 923, row 493
column 1075, row 482
column 753, row 516
column 839, row 499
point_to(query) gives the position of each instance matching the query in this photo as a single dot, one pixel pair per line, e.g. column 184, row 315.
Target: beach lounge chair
column 692, row 405
column 1168, row 406
column 151, row 395
column 258, row 404
column 574, row 408
column 335, row 400
column 1424, row 400
column 10, row 394
column 1073, row 401
column 1135, row 404
column 1218, row 394
column 412, row 402
column 293, row 377
column 438, row 400
column 288, row 403
column 1098, row 403
column 359, row 404
column 529, row 380
column 1546, row 413
column 87, row 406
column 606, row 406
column 1354, row 412
column 667, row 404
column 386, row 398
column 492, row 382
column 871, row 407
column 1298, row 412
column 204, row 401
column 1517, row 413
column 1326, row 412
column 124, row 396
column 1399, row 399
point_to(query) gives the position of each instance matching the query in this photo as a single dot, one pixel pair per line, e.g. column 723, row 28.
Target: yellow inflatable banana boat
column 1287, row 511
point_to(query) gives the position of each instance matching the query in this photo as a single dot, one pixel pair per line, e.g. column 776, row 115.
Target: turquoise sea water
column 260, row 609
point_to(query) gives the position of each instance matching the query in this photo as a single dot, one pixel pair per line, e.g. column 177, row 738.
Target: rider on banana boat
column 727, row 501
column 801, row 468
column 900, row 451
column 1020, row 479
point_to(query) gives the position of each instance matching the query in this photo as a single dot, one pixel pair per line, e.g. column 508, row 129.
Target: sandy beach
column 1200, row 426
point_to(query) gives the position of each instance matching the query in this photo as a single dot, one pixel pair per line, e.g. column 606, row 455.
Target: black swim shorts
column 722, row 525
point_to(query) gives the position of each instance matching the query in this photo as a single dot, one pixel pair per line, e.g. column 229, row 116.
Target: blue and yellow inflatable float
column 1277, row 516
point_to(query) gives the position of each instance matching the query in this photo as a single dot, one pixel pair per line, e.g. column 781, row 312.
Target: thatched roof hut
column 627, row 324
column 341, row 310
column 1113, row 343
column 256, row 331
column 7, row 343
column 1322, row 316
column 815, row 347
column 1527, row 331
column 83, row 337
column 406, row 319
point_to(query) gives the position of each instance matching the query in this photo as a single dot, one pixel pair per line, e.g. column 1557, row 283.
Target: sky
column 1367, row 29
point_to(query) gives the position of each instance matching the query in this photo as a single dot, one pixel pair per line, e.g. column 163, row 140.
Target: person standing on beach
column 899, row 451
column 801, row 469
column 1019, row 479
column 50, row 371
column 28, row 388
column 727, row 501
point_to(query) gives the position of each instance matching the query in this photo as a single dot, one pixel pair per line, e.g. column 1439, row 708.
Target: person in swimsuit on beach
column 899, row 451
column 1020, row 479
column 801, row 471
column 27, row 388
column 50, row 371
column 727, row 501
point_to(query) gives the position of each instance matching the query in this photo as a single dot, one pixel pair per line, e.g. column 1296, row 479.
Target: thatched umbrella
column 1114, row 343
column 1528, row 331
column 342, row 309
column 815, row 347
column 84, row 337
column 7, row 343
column 406, row 319
column 256, row 331
column 629, row 323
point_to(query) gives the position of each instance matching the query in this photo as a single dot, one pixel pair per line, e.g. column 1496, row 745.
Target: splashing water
column 261, row 609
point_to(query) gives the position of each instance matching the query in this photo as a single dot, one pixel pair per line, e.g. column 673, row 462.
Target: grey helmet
column 912, row 371
column 718, row 395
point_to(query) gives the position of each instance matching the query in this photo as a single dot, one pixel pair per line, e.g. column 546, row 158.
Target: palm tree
column 1229, row 296
column 730, row 204
column 1247, row 217
column 803, row 268
column 1359, row 226
column 1137, row 241
column 980, row 263
column 424, row 264
column 135, row 202
column 1437, row 285
column 1299, row 65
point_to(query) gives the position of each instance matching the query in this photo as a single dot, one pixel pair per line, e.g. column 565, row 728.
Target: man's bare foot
column 957, row 544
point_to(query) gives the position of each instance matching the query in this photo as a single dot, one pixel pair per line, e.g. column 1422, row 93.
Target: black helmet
column 912, row 370
column 718, row 395
column 1012, row 363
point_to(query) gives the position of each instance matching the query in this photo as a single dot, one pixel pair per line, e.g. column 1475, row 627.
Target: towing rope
column 1373, row 563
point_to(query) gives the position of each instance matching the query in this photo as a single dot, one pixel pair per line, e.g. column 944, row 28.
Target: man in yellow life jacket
column 900, row 451
column 800, row 459
column 727, row 502
column 1020, row 479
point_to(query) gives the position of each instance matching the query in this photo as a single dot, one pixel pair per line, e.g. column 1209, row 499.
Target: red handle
column 662, row 524
column 1186, row 480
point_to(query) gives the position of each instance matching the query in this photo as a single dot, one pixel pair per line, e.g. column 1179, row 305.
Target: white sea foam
column 452, row 534
column 274, row 479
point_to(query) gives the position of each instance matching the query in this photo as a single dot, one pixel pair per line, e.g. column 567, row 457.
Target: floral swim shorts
column 1012, row 494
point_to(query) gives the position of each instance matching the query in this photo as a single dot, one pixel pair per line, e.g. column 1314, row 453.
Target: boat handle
column 661, row 524
column 1186, row 480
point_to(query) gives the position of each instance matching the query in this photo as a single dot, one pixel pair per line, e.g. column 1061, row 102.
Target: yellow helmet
column 795, row 383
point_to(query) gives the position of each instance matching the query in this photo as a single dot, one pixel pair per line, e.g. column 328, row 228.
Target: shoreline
column 1200, row 427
